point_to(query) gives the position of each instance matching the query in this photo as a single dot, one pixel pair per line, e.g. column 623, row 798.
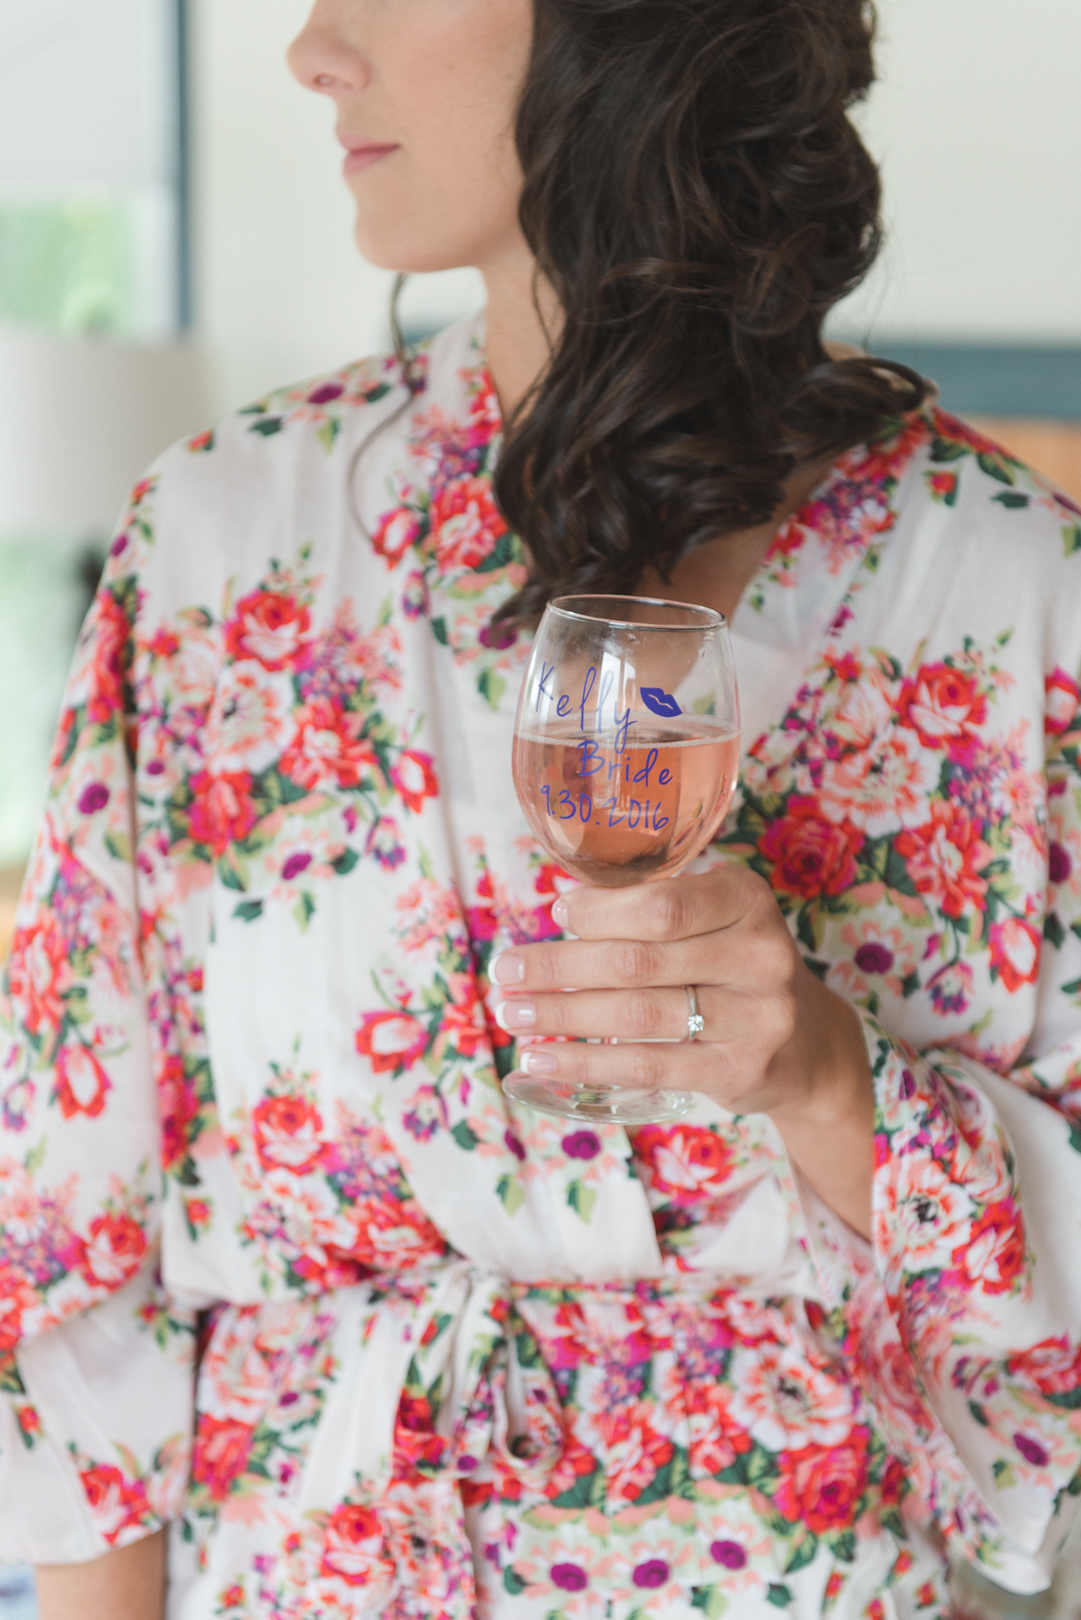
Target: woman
column 449, row 1356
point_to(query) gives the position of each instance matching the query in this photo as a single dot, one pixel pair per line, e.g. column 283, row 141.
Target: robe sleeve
column 96, row 1363
column 964, row 1313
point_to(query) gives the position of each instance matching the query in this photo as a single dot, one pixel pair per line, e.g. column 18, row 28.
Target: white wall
column 976, row 123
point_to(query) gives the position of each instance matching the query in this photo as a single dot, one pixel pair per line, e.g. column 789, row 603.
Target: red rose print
column 222, row 1448
column 463, row 1018
column 394, row 534
column 391, row 1040
column 1053, row 1366
column 221, row 812
column 287, row 1134
column 16, row 1296
column 1015, row 952
column 115, row 1502
column 1063, row 700
column 269, row 627
column 353, row 1545
column 943, row 486
column 684, row 1163
column 39, row 975
column 823, row 1485
column 810, row 855
column 466, row 523
column 945, row 858
column 414, row 777
column 327, row 746
column 941, row 703
column 177, row 1107
column 81, row 1082
column 994, row 1255
column 113, row 1250
column 109, row 627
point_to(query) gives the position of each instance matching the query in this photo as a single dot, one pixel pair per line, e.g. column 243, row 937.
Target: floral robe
column 279, row 1264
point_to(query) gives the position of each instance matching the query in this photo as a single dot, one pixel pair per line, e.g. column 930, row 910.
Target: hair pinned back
column 698, row 199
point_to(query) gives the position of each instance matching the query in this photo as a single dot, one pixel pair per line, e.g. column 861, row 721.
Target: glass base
column 604, row 1105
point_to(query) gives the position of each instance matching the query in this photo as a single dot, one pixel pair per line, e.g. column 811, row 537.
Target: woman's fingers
column 611, row 964
column 671, row 909
column 650, row 1015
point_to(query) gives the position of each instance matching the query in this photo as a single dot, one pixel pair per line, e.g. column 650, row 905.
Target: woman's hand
column 775, row 1040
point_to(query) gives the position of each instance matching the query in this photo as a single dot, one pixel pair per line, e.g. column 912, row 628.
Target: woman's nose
column 322, row 58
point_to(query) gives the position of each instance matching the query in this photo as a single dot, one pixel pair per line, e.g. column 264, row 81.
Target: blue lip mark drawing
column 658, row 701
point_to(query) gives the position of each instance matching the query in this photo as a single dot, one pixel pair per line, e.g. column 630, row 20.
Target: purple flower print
column 497, row 637
column 155, row 767
column 515, row 1145
column 384, row 843
column 874, row 958
column 1059, row 864
column 295, row 865
column 325, row 393
column 94, row 798
column 728, row 1553
column 1031, row 1450
column 582, row 1145
column 569, row 1577
column 654, row 1572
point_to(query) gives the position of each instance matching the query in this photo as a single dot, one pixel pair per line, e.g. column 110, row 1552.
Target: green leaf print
column 249, row 910
column 11, row 1381
column 710, row 1600
column 304, row 910
column 439, row 631
column 581, row 1198
column 996, row 466
column 779, row 1595
column 345, row 862
column 328, row 431
column 465, row 1136
column 1053, row 930
column 380, row 391
column 802, row 1553
column 1011, row 499
column 1071, row 538
column 510, row 1191
column 268, row 426
column 947, row 450
column 513, row 1581
column 491, row 686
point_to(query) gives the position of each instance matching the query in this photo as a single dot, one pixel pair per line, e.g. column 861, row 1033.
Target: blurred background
column 175, row 240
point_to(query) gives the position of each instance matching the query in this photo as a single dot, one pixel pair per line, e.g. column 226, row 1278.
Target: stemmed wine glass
column 626, row 757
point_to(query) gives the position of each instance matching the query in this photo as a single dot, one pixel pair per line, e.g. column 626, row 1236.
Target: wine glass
column 626, row 757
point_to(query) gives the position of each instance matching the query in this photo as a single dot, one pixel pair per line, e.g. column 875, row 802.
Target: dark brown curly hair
column 698, row 198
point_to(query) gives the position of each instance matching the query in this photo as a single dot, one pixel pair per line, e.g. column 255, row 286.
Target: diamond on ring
column 695, row 1022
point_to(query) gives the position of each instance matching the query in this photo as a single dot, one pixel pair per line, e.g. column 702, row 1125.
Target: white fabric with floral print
column 448, row 1356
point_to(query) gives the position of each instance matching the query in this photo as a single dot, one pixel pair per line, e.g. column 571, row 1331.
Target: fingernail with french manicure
column 506, row 968
column 559, row 913
column 535, row 1061
column 516, row 1014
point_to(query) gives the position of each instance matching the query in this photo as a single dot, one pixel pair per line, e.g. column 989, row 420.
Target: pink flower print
column 385, row 844
column 637, row 1453
column 784, row 1401
column 81, row 1082
column 269, row 626
column 287, row 1134
column 466, row 523
column 941, row 703
column 1063, row 700
column 426, row 1114
column 235, row 1379
column 394, row 534
column 881, row 958
column 414, row 777
column 883, row 788
column 1053, row 1366
column 920, row 1212
column 415, row 595
column 16, row 1297
column 1015, row 952
column 113, row 1250
column 249, row 720
column 945, row 857
column 107, row 639
column 951, row 988
column 391, row 1041
column 865, row 712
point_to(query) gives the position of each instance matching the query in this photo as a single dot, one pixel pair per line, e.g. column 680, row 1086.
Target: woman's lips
column 362, row 157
